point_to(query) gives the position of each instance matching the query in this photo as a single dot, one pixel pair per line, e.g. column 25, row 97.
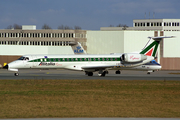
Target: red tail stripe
column 149, row 53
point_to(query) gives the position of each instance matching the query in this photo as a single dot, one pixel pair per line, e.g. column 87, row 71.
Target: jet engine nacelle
column 133, row 57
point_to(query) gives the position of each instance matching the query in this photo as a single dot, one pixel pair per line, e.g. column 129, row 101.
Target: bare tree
column 10, row 27
column 111, row 26
column 77, row 28
column 61, row 27
column 124, row 26
column 45, row 26
column 65, row 27
column 15, row 26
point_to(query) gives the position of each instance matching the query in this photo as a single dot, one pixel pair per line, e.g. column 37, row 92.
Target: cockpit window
column 23, row 58
column 26, row 58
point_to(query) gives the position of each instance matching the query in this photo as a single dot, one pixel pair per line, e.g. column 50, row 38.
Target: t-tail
column 77, row 48
column 146, row 55
column 151, row 47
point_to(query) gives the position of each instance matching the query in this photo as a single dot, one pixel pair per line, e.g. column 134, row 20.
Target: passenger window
column 21, row 58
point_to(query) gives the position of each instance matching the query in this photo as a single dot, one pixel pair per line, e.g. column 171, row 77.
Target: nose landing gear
column 16, row 74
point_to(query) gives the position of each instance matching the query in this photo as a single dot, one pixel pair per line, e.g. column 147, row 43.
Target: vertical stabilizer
column 78, row 49
column 151, row 47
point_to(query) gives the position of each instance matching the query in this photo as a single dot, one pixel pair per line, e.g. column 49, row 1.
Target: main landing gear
column 101, row 73
column 118, row 72
column 149, row 71
column 89, row 73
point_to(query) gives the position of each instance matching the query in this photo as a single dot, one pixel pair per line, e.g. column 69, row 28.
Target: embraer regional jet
column 90, row 63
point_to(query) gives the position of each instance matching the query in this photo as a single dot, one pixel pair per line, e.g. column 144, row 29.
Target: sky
column 87, row 14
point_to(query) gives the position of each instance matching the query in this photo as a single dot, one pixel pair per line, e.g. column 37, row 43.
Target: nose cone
column 5, row 67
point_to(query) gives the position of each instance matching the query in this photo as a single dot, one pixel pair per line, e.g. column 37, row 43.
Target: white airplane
column 89, row 63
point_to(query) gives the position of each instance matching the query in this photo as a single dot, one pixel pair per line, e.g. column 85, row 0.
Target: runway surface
column 79, row 75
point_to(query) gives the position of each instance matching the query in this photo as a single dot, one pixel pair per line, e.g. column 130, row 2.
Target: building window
column 148, row 24
column 135, row 24
column 152, row 24
column 52, row 43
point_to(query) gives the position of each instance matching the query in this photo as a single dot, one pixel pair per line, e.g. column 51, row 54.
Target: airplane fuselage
column 74, row 62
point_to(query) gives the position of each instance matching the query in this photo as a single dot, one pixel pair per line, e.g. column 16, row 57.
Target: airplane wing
column 103, row 67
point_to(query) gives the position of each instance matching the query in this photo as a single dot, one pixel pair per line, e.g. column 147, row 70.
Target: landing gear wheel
column 16, row 74
column 90, row 73
column 106, row 72
column 118, row 72
column 148, row 72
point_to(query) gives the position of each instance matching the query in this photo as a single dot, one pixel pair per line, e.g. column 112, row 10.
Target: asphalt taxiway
column 62, row 74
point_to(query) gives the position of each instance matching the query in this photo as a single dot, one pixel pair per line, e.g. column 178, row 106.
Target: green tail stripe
column 156, row 43
column 155, row 48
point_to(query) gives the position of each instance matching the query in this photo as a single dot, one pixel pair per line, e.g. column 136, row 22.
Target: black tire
column 118, row 72
column 90, row 73
column 16, row 74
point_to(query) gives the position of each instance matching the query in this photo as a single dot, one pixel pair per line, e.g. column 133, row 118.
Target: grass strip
column 89, row 98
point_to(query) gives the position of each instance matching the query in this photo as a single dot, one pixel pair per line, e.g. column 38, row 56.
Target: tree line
column 63, row 27
column 45, row 26
column 124, row 26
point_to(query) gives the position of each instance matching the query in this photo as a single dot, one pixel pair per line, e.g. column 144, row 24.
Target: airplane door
column 25, row 62
column 34, row 64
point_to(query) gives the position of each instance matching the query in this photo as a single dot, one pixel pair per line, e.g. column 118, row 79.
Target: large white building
column 107, row 40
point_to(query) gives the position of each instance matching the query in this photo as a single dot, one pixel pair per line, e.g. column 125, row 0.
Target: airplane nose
column 5, row 67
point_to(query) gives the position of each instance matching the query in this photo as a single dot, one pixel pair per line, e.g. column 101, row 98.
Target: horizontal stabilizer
column 160, row 38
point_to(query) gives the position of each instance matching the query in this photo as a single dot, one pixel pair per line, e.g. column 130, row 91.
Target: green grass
column 89, row 98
